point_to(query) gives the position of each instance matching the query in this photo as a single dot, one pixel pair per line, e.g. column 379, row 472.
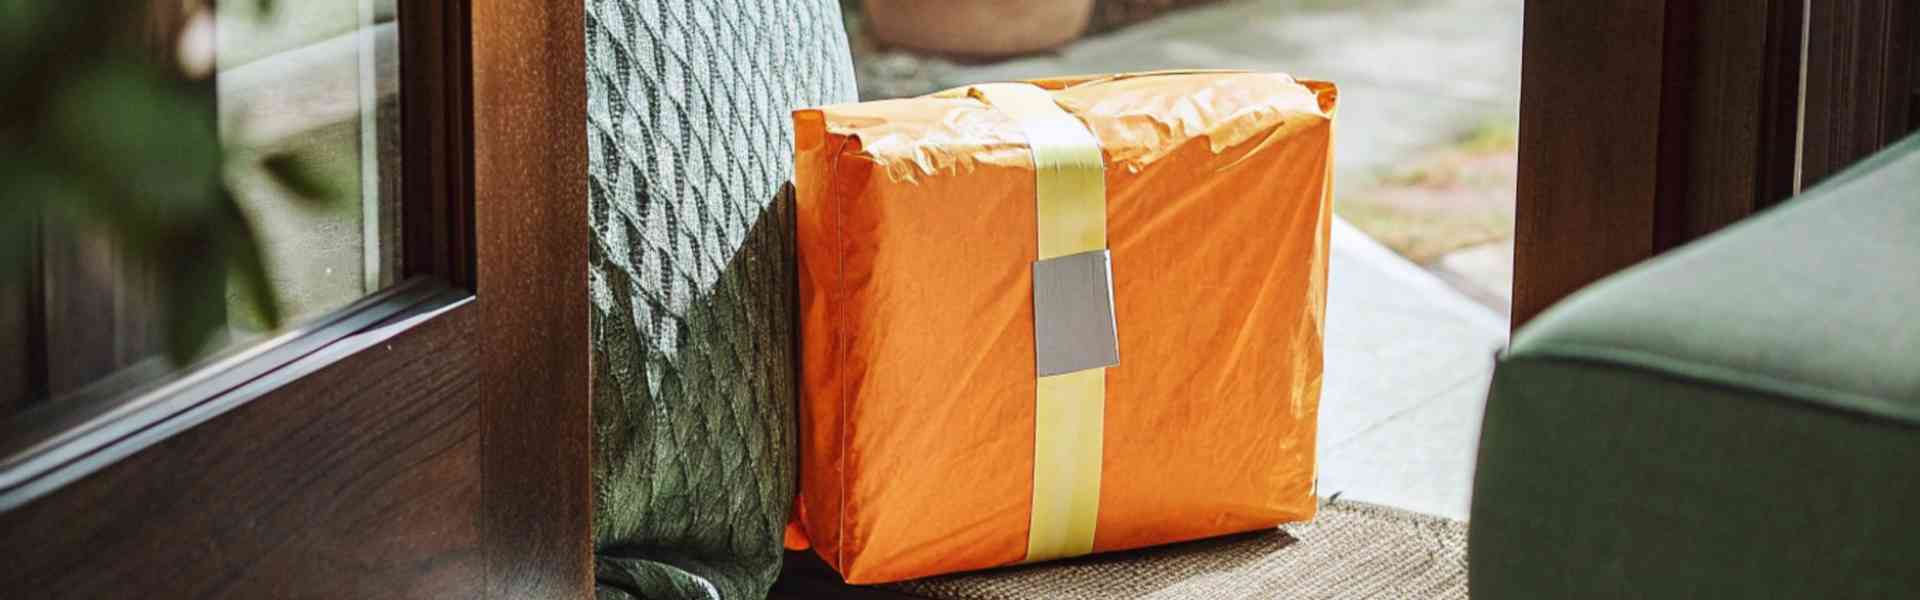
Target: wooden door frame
column 1647, row 124
column 1859, row 97
column 429, row 441
column 530, row 187
column 1626, row 110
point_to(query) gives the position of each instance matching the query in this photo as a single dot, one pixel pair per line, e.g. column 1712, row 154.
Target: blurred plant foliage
column 100, row 134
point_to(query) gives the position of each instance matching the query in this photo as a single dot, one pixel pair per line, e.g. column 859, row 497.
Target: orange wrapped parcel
column 917, row 243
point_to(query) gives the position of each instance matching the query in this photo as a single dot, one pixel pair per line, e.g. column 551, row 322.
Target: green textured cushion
column 1738, row 418
column 692, row 280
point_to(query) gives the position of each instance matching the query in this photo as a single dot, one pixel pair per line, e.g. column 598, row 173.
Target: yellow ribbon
column 1070, row 203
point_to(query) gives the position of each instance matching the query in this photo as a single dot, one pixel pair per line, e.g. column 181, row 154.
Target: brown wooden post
column 1861, row 82
column 1644, row 125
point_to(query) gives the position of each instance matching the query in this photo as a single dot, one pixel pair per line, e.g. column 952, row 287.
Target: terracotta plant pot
column 978, row 29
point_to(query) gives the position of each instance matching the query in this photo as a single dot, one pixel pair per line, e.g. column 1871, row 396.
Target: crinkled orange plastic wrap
column 916, row 242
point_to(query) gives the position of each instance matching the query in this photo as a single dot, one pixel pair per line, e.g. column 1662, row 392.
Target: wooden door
column 430, row 440
column 1647, row 124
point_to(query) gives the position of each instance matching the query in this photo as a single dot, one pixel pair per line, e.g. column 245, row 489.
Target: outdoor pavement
column 1408, row 356
column 1408, row 360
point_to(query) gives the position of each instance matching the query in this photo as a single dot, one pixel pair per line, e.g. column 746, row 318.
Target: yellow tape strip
column 1070, row 202
column 1069, row 416
column 1070, row 181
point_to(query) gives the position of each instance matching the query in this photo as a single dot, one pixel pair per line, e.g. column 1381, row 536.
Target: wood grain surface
column 1589, row 141
column 530, row 167
column 1863, row 77
column 360, row 481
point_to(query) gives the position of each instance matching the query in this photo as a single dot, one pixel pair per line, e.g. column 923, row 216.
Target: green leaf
column 254, row 283
column 147, row 141
column 304, row 178
column 198, row 266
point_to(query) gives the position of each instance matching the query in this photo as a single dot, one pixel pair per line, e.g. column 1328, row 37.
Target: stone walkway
column 1408, row 355
column 1407, row 365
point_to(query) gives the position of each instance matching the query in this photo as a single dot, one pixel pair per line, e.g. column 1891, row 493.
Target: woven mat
column 1351, row 550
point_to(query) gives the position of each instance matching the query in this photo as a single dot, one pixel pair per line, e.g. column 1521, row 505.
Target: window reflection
column 317, row 80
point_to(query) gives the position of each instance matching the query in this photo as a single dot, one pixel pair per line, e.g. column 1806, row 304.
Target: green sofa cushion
column 1818, row 299
column 1739, row 418
column 1600, row 481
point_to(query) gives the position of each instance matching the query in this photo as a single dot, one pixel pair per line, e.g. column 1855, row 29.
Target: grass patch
column 1452, row 197
column 1490, row 137
column 1423, row 237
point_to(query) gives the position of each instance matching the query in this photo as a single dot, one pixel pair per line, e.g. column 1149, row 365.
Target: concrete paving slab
column 1421, row 460
column 1389, row 343
column 1483, row 272
column 1408, row 359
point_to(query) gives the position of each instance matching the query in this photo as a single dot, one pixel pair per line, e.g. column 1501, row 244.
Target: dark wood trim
column 42, row 451
column 1779, row 135
column 1728, row 114
column 1912, row 43
column 1643, row 126
column 1589, row 139
column 1647, row 125
column 1860, row 82
column 436, row 126
column 530, row 168
column 1679, row 94
column 361, row 479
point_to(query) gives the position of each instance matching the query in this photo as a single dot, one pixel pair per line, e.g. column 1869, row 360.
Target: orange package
column 934, row 435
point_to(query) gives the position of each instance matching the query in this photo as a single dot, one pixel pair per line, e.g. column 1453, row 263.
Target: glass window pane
column 304, row 97
column 319, row 80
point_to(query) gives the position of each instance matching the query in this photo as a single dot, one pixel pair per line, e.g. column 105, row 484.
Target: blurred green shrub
column 100, row 135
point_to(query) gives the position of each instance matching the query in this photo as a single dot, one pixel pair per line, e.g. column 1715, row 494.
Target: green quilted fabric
column 691, row 272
